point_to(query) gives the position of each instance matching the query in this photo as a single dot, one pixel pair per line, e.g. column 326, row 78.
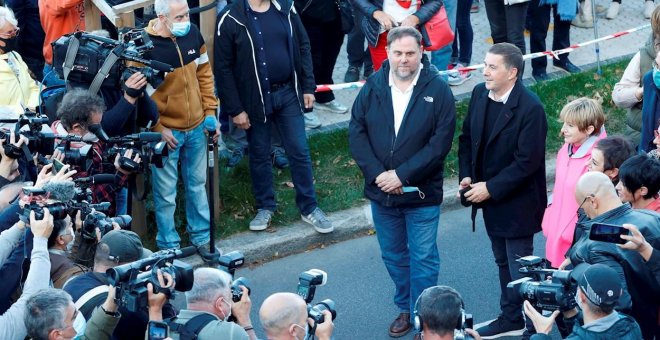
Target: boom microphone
column 97, row 179
column 61, row 190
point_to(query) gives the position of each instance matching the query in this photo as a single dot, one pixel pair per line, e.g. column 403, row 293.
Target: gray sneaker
column 312, row 121
column 332, row 106
column 262, row 220
column 319, row 221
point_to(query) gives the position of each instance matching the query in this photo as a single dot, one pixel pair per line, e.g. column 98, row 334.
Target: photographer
column 11, row 322
column 19, row 89
column 597, row 295
column 9, row 167
column 51, row 314
column 77, row 112
column 438, row 312
column 284, row 317
column 60, row 244
column 599, row 200
column 209, row 307
column 117, row 247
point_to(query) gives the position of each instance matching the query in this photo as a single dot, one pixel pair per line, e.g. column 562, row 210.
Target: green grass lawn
column 339, row 181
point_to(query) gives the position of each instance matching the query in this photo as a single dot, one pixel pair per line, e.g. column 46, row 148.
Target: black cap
column 125, row 246
column 601, row 285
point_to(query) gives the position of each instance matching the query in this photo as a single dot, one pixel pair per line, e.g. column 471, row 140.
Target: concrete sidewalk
column 298, row 237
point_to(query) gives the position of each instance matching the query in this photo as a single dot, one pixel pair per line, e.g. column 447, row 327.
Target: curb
column 299, row 237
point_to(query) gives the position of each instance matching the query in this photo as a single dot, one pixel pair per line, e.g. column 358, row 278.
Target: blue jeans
column 462, row 46
column 440, row 58
column 50, row 76
column 288, row 119
column 121, row 202
column 407, row 239
column 191, row 151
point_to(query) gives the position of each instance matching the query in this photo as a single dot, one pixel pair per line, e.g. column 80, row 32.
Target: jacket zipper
column 185, row 77
column 256, row 72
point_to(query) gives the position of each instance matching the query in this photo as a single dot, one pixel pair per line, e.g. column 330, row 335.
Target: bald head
column 280, row 310
column 598, row 186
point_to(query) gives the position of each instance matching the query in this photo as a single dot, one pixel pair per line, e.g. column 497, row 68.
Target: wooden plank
column 126, row 20
column 207, row 23
column 138, row 209
column 106, row 9
column 92, row 16
column 132, row 5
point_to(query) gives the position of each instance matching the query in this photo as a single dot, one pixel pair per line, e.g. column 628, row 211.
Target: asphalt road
column 362, row 290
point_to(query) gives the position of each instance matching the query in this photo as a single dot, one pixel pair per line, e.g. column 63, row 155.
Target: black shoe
column 568, row 67
column 541, row 76
column 236, row 157
column 279, row 159
column 352, row 74
column 206, row 255
column 501, row 327
column 368, row 71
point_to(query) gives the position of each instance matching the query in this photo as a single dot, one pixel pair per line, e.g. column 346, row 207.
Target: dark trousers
column 506, row 252
column 462, row 47
column 288, row 119
column 358, row 52
column 325, row 39
column 538, row 27
column 507, row 22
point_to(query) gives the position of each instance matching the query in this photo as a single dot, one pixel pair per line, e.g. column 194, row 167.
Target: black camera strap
column 191, row 329
column 70, row 57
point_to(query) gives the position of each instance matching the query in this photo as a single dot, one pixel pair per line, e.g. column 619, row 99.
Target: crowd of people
column 69, row 265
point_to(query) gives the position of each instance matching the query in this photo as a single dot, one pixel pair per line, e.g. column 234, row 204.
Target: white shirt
column 502, row 99
column 399, row 13
column 400, row 99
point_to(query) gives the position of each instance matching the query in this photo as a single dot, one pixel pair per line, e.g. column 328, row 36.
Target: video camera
column 69, row 200
column 131, row 279
column 148, row 145
column 548, row 289
column 38, row 141
column 81, row 157
column 99, row 220
column 86, row 55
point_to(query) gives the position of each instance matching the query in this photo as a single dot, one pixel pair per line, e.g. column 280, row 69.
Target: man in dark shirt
column 501, row 160
column 269, row 86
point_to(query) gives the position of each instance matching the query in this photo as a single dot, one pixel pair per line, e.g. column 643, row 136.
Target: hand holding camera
column 241, row 308
column 42, row 227
column 128, row 163
column 134, row 86
column 156, row 301
column 325, row 328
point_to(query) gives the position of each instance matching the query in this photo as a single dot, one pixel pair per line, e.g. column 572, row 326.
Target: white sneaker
column 613, row 11
column 312, row 121
column 332, row 106
column 581, row 22
column 649, row 6
column 456, row 79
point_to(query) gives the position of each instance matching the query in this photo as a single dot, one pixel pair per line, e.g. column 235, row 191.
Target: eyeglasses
column 11, row 34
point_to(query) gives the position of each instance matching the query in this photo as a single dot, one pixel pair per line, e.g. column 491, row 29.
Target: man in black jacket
column 400, row 132
column 263, row 72
column 501, row 159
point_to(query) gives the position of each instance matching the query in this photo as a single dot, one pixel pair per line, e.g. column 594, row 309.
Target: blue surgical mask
column 656, row 77
column 79, row 325
column 179, row 29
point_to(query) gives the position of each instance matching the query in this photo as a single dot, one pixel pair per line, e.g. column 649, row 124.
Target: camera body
column 93, row 51
column 316, row 311
column 38, row 141
column 544, row 288
column 132, row 278
column 99, row 220
column 236, row 291
column 147, row 144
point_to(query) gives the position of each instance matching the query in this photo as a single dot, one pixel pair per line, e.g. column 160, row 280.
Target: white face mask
column 577, row 300
column 69, row 245
column 226, row 318
column 306, row 329
column 90, row 137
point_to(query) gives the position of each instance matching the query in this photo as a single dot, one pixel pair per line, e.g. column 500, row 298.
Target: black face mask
column 10, row 44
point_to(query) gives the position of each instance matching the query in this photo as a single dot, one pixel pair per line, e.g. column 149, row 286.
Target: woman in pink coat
column 583, row 126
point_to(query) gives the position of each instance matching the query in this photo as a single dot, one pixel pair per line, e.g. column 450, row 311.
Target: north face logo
column 191, row 52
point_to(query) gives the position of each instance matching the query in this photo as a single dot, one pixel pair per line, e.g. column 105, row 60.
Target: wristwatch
column 113, row 314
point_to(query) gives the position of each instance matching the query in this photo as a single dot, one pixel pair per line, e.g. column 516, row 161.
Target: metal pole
column 593, row 13
column 211, row 197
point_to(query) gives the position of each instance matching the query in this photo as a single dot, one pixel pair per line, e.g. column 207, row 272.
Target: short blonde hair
column 584, row 112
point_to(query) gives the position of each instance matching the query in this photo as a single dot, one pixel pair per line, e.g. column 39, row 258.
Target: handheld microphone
column 210, row 124
column 97, row 179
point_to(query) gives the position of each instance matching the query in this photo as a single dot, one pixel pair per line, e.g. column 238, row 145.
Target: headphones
column 417, row 320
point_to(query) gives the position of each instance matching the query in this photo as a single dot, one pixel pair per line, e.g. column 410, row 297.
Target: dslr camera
column 147, row 144
column 544, row 288
column 307, row 283
column 99, row 220
column 131, row 279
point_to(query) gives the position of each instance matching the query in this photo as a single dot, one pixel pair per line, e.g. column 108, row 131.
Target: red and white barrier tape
column 554, row 54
